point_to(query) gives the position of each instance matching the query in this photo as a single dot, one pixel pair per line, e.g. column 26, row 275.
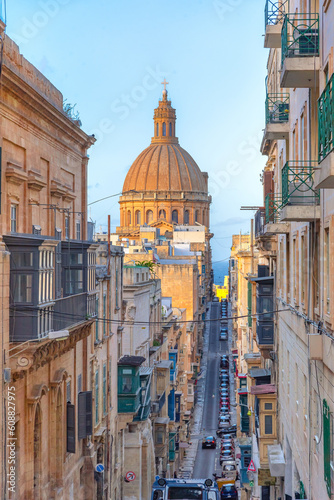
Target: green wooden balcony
column 300, row 51
column 274, row 13
column 300, row 197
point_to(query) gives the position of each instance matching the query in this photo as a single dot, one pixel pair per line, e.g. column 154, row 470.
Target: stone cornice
column 23, row 92
column 38, row 355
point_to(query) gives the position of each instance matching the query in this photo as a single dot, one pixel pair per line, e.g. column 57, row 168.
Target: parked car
column 209, row 442
column 229, row 470
column 226, row 431
column 226, row 456
column 228, row 492
column 223, row 335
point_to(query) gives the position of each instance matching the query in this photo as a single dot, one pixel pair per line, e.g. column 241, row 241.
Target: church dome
column 165, row 167
column 164, row 183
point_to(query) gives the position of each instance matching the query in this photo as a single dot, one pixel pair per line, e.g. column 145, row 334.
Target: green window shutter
column 327, row 446
column 249, row 303
column 96, row 397
column 97, row 320
column 104, row 389
column 104, row 315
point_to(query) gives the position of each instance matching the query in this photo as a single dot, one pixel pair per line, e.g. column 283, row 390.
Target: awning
column 263, row 389
column 259, row 372
column 276, row 460
column 263, row 279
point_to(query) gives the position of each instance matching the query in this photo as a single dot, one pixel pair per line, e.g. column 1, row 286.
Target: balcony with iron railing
column 300, row 51
column 277, row 119
column 274, row 13
column 300, row 197
column 324, row 176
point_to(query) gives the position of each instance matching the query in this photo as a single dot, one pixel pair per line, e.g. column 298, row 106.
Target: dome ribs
column 177, row 167
column 183, row 188
column 139, row 172
column 157, row 186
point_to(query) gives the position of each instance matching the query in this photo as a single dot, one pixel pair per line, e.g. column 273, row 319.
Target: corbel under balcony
column 35, row 180
column 274, row 228
column 15, row 174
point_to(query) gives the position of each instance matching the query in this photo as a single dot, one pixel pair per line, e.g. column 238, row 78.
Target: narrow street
column 207, row 460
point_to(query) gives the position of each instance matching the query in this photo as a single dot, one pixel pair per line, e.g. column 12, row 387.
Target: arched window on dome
column 196, row 215
column 157, row 130
column 138, row 217
column 149, row 216
column 162, row 214
column 175, row 216
column 129, row 218
column 170, row 129
column 164, row 129
column 186, row 217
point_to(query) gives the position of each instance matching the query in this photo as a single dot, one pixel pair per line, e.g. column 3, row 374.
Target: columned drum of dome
column 164, row 182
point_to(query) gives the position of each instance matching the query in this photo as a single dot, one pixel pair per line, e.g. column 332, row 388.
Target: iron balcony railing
column 259, row 222
column 326, row 120
column 70, row 311
column 274, row 11
column 277, row 108
column 298, row 183
column 300, row 35
column 273, row 204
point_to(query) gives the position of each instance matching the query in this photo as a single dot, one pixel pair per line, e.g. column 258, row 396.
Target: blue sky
column 109, row 58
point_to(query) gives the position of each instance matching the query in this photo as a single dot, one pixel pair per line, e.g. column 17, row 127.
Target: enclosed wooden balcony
column 300, row 51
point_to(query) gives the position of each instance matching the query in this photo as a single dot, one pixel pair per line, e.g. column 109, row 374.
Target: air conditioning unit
column 280, row 112
column 306, row 42
column 300, row 193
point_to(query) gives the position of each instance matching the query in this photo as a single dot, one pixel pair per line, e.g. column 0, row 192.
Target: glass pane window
column 13, row 218
column 73, row 281
column 126, row 384
column 22, row 288
column 78, row 230
column 67, row 228
column 96, row 396
column 268, row 424
column 22, row 259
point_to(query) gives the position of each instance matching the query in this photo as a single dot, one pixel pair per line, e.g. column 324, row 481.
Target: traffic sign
column 99, row 468
column 251, row 467
column 130, row 476
column 251, row 484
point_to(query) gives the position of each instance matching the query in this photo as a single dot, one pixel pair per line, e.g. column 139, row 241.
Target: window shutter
column 85, row 424
column 249, row 303
column 81, row 415
column 89, row 413
column 327, row 446
column 70, row 441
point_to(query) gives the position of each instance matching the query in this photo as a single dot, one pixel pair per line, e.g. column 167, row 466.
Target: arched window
column 196, row 216
column 149, row 216
column 203, row 217
column 37, row 452
column 170, row 130
column 59, row 437
column 162, row 214
column 138, row 218
column 186, row 217
column 175, row 216
column 164, row 129
column 129, row 218
column 157, row 130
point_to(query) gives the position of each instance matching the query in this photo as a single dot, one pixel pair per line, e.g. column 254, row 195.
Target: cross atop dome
column 164, row 92
column 164, row 83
